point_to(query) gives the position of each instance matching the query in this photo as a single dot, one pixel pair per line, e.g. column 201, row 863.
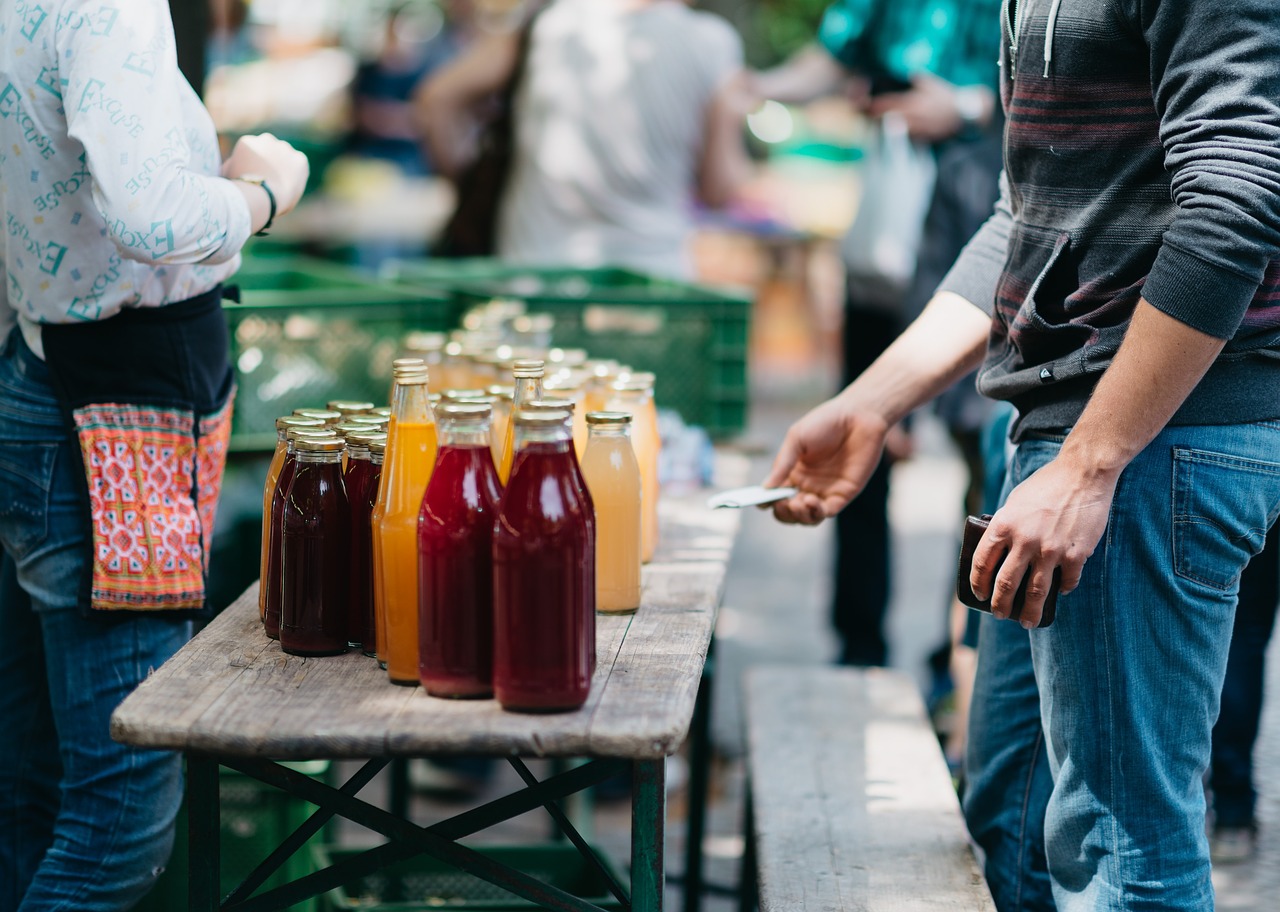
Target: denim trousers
column 1131, row 672
column 85, row 823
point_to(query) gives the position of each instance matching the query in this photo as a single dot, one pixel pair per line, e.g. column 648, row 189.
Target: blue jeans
column 1131, row 672
column 85, row 823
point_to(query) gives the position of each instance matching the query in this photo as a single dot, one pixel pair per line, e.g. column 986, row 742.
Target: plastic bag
column 881, row 246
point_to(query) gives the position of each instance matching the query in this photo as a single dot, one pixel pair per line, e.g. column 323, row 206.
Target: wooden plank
column 854, row 807
column 233, row 691
column 162, row 709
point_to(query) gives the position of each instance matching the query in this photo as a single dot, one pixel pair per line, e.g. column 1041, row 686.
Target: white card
column 753, row 496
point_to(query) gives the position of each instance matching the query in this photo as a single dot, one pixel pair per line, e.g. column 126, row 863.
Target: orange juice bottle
column 528, row 387
column 613, row 478
column 501, row 418
column 570, row 386
column 410, row 458
column 273, row 475
column 636, row 397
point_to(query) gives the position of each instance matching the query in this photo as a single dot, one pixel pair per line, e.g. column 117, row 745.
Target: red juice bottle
column 315, row 552
column 455, row 557
column 544, row 611
column 269, row 489
column 360, row 478
column 270, row 582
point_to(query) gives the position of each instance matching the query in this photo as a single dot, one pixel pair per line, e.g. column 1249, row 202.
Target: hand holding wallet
column 974, row 528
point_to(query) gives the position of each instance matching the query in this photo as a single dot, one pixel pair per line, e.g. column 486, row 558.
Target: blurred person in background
column 625, row 114
column 931, row 63
column 115, row 389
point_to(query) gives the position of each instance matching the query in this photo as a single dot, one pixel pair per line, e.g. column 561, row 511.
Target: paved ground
column 775, row 610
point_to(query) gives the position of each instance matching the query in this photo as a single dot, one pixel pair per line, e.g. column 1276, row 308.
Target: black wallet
column 974, row 528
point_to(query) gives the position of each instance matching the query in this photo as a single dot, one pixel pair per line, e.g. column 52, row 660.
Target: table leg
column 204, row 836
column 699, row 776
column 648, row 832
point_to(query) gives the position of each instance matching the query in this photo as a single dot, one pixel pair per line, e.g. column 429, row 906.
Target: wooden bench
column 850, row 804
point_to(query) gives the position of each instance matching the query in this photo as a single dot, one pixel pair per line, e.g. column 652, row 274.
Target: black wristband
column 271, row 213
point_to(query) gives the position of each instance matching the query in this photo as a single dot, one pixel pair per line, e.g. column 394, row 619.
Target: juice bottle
column 360, row 477
column 273, row 476
column 636, row 398
column 410, row 459
column 375, row 635
column 601, row 375
column 315, row 552
column 528, row 387
column 399, row 367
column 270, row 582
column 570, row 386
column 613, row 478
column 455, row 554
column 501, row 418
column 544, row 609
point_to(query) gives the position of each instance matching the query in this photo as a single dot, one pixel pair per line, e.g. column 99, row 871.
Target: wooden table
column 231, row 697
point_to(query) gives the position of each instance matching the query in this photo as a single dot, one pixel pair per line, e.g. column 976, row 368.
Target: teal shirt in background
column 956, row 40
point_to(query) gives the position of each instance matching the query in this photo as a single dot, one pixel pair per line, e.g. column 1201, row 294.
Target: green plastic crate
column 424, row 883
column 255, row 819
column 695, row 338
column 308, row 331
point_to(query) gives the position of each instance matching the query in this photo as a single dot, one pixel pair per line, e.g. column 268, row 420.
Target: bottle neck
column 528, row 389
column 464, row 433
column 410, row 404
column 555, row 438
column 609, row 432
column 309, row 457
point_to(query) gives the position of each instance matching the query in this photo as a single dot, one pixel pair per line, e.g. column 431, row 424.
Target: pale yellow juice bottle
column 528, row 387
column 409, row 461
column 269, row 489
column 613, row 479
column 636, row 398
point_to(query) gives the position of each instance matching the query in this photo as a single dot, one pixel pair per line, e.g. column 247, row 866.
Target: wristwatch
column 271, row 199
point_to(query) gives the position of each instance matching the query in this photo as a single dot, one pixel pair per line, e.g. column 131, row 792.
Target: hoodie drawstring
column 1048, row 34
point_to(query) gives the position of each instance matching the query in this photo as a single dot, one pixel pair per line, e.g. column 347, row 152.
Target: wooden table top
column 232, row 691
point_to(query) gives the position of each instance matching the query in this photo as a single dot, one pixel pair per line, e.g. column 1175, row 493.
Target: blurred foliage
column 785, row 26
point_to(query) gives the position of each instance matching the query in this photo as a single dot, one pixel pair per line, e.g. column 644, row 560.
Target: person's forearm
column 1156, row 367
column 725, row 165
column 943, row 344
column 809, row 74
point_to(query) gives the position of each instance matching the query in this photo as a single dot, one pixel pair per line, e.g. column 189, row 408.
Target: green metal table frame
column 440, row 840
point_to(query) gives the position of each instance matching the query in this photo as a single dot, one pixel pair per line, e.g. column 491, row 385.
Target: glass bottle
column 636, row 398
column 270, row 582
column 374, row 633
column 455, row 558
column 543, row 572
column 410, row 459
column 528, row 387
column 601, row 375
column 501, row 418
column 360, row 477
column 613, row 478
column 570, row 386
column 269, row 488
column 397, row 365
column 315, row 552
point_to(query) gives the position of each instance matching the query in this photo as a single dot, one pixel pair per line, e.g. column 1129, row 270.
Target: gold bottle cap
column 411, row 376
column 367, row 419
column 289, row 421
column 529, row 367
column 641, row 377
column 328, row 416
column 378, row 446
column 526, row 418
column 383, row 411
column 364, row 438
column 608, row 417
column 463, row 411
column 296, row 433
column 348, row 407
column 551, row 405
column 407, row 362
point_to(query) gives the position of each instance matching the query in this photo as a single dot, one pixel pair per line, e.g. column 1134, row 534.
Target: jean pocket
column 1222, row 508
column 26, row 478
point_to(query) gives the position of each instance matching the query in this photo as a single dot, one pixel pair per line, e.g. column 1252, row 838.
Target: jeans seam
column 1023, row 841
column 1113, row 820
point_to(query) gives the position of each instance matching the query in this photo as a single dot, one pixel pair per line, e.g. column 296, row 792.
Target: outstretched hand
column 828, row 455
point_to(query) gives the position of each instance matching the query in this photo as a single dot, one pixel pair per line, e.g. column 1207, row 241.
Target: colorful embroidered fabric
column 153, row 489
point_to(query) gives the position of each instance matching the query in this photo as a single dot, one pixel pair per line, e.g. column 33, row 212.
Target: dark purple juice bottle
column 270, row 582
column 544, row 611
column 455, row 557
column 315, row 552
column 361, row 481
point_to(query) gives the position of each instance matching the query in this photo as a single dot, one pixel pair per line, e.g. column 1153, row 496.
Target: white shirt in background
column 610, row 117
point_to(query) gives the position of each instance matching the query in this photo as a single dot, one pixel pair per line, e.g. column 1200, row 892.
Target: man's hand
column 931, row 108
column 1052, row 521
column 828, row 454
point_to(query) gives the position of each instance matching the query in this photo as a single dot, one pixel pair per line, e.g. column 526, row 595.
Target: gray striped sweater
column 1142, row 159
